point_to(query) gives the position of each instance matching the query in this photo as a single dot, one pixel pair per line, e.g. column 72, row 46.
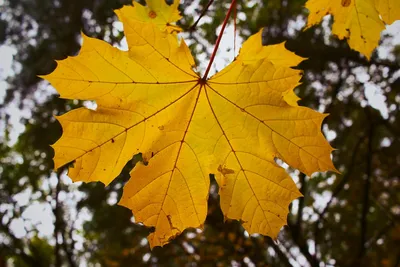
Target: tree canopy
column 347, row 219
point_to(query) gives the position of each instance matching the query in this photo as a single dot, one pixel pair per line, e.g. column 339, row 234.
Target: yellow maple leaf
column 357, row 20
column 157, row 12
column 233, row 125
column 389, row 10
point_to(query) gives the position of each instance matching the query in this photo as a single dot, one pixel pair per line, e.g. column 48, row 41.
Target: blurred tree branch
column 58, row 223
column 282, row 256
column 367, row 186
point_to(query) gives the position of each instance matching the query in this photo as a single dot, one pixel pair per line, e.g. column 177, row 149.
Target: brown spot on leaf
column 161, row 127
column 152, row 14
column 346, row 3
column 225, row 171
column 145, row 160
column 169, row 218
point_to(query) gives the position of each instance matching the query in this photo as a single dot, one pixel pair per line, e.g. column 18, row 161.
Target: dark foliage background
column 350, row 219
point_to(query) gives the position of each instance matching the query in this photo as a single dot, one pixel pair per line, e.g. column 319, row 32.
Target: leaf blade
column 233, row 125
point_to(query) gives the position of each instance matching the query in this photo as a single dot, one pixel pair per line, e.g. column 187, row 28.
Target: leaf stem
column 193, row 27
column 219, row 40
column 234, row 29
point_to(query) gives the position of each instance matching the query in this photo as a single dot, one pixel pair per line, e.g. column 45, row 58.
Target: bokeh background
column 351, row 219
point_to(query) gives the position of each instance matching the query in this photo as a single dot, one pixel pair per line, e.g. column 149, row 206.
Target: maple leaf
column 157, row 12
column 357, row 20
column 388, row 9
column 234, row 125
